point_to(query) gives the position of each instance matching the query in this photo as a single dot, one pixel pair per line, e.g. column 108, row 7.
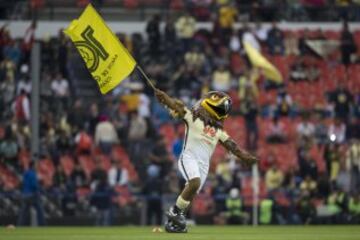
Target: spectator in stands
column 347, row 45
column 178, row 145
column 8, row 68
column 332, row 158
column 22, row 108
column 274, row 178
column 136, row 134
column 224, row 175
column 62, row 53
column 227, row 16
column 250, row 112
column 83, row 142
column 276, row 132
column 275, row 40
column 353, row 162
column 234, row 42
column 12, row 51
column 234, row 212
column 261, row 32
column 78, row 177
column 30, row 197
column 321, row 130
column 308, row 186
column 343, row 179
column 170, row 38
column 303, row 70
column 9, row 149
column 98, row 176
column 63, row 143
column 267, row 211
column 305, row 129
column 342, row 100
column 185, row 29
column 284, row 103
column 45, row 89
column 153, row 190
column 195, row 59
column 267, row 162
column 337, row 131
column 172, row 186
column 60, row 88
column 60, row 179
column 353, row 128
column 77, row 115
column 354, row 208
column 307, row 164
column 247, row 84
column 93, row 118
column 221, row 79
column 7, row 91
column 154, row 36
column 101, row 199
column 336, row 203
column 105, row 135
column 160, row 156
column 307, row 210
column 117, row 174
column 24, row 81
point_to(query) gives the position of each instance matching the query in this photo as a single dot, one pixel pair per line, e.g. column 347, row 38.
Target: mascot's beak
column 217, row 104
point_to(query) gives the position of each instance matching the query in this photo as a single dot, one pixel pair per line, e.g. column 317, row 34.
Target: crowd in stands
column 114, row 151
column 204, row 10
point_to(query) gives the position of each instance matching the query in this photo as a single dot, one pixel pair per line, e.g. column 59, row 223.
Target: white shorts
column 191, row 168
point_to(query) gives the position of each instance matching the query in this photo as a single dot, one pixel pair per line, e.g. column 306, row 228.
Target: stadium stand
column 71, row 164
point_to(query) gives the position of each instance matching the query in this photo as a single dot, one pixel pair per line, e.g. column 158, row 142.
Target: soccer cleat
column 171, row 227
column 177, row 217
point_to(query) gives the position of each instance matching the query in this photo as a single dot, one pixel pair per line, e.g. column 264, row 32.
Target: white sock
column 182, row 204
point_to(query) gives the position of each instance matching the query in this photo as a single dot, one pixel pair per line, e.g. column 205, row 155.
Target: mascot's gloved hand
column 249, row 159
column 160, row 95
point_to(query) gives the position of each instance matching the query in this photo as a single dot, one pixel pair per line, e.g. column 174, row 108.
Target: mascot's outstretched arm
column 176, row 107
column 242, row 155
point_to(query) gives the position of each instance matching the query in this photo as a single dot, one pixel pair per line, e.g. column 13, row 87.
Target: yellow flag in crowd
column 258, row 60
column 107, row 59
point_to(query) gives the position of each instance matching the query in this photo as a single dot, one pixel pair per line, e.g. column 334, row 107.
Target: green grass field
column 195, row 232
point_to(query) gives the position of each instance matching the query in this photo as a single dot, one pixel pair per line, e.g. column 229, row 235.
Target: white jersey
column 200, row 140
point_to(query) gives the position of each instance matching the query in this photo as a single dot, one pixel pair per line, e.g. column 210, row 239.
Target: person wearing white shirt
column 144, row 106
column 337, row 131
column 305, row 128
column 60, row 86
column 117, row 175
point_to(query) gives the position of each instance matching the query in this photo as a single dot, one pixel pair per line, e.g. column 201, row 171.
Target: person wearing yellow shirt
column 227, row 17
column 274, row 178
column 221, row 79
column 247, row 83
column 185, row 28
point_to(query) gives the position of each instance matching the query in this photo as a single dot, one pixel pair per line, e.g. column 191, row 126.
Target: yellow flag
column 258, row 60
column 106, row 58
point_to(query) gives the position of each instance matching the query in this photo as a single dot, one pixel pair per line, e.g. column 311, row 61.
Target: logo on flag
column 105, row 57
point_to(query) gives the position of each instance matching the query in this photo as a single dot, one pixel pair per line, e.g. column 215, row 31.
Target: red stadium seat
column 82, row 3
column 8, row 179
column 24, row 158
column 176, row 4
column 67, row 162
column 131, row 4
column 46, row 171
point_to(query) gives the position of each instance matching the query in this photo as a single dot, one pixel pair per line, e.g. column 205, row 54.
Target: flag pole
column 146, row 77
